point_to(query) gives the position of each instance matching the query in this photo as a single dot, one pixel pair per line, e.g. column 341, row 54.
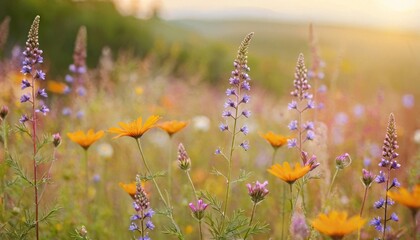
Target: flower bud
column 3, row 112
column 56, row 139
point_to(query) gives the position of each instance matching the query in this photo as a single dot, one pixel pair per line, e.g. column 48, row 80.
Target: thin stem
column 47, row 174
column 232, row 148
column 274, row 156
column 192, row 185
column 35, row 167
column 254, row 207
column 200, row 230
column 3, row 167
column 158, row 189
column 386, row 203
column 170, row 167
column 291, row 197
column 361, row 211
column 300, row 131
column 85, row 161
column 332, row 183
column 283, row 211
column 413, row 214
column 142, row 224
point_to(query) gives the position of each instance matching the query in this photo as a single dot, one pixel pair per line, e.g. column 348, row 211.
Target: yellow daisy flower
column 336, row 225
column 287, row 174
column 129, row 188
column 406, row 198
column 85, row 139
column 275, row 140
column 172, row 127
column 135, row 129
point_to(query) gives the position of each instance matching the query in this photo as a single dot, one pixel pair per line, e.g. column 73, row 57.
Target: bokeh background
column 174, row 58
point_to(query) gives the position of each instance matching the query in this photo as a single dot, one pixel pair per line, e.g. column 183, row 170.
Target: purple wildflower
column 25, row 97
column 309, row 161
column 310, row 135
column 379, row 204
column 258, row 191
column 343, row 161
column 218, row 151
column 291, row 143
column 56, row 139
column 394, row 217
column 43, row 109
column 293, row 125
column 309, row 125
column 42, row 93
column 25, row 84
column 246, row 113
column 23, row 118
column 198, row 210
column 149, row 225
column 40, row 75
column 292, row 105
column 367, row 177
column 245, row 145
column 223, row 127
column 377, row 223
column 244, row 130
column 226, row 114
column 395, row 183
column 380, row 178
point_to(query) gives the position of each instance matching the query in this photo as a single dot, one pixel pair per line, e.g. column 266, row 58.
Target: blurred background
column 172, row 57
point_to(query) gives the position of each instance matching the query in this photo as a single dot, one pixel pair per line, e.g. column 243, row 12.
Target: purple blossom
column 223, row 127
column 133, row 227
column 42, row 92
column 394, row 217
column 291, row 143
column 136, row 216
column 218, row 151
column 246, row 86
column 149, row 213
column 69, row 78
column 244, row 130
column 394, row 183
column 245, row 99
column 298, row 228
column 380, row 178
column 198, row 210
column 258, row 191
column 26, row 69
column 379, row 204
column 395, row 164
column 231, row 91
column 150, row 225
column 81, row 91
column 377, row 223
column 25, row 97
column 40, row 75
column 25, row 84
column 66, row 111
column 230, row 103
column 343, row 161
column 292, row 105
column 310, row 104
column 309, row 161
column 23, row 118
column 227, row 114
column 341, row 118
column 246, row 113
column 44, row 109
column 293, row 125
column 308, row 96
column 309, row 125
column 245, row 145
column 310, row 135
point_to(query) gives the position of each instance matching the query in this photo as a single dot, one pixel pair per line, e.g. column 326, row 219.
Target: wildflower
column 141, row 206
column 245, row 145
column 298, row 228
column 367, row 178
column 258, row 191
column 135, row 129
column 292, row 105
column 85, row 140
column 246, row 113
column 342, row 161
column 42, row 93
column 394, row 217
column 291, row 143
column 274, row 140
column 23, row 118
column 244, row 129
column 25, row 97
column 377, row 223
column 3, row 112
column 56, row 139
column 406, row 198
column 25, row 84
column 184, row 161
column 172, row 127
column 43, row 109
column 129, row 188
column 198, row 210
column 287, row 174
column 293, row 125
column 311, row 162
column 310, row 135
column 223, row 127
column 336, row 225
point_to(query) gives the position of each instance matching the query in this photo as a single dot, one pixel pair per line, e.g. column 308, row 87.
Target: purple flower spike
column 258, row 191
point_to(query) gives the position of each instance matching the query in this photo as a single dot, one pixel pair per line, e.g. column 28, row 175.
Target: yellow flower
column 129, row 188
column 57, row 87
column 275, row 140
column 287, row 174
column 172, row 127
column 406, row 198
column 85, row 140
column 336, row 225
column 135, row 129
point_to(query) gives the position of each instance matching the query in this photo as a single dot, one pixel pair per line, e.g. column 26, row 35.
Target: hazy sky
column 384, row 13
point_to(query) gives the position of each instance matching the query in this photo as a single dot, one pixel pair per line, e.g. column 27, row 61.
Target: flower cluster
column 184, row 161
column 77, row 70
column 198, row 210
column 32, row 58
column 302, row 103
column 258, row 191
column 388, row 162
column 239, row 85
column 144, row 213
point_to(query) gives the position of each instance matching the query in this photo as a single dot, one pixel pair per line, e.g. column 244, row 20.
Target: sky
column 404, row 14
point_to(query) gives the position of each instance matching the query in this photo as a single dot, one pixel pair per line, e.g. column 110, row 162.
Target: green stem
column 232, row 148
column 386, row 203
column 170, row 215
column 291, row 197
column 283, row 212
column 3, row 167
column 200, row 230
column 274, row 156
column 170, row 167
column 254, row 207
column 413, row 214
column 361, row 211
column 332, row 183
column 48, row 174
column 35, row 164
column 85, row 162
column 192, row 185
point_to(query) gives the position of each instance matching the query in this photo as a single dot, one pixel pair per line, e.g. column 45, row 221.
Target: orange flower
column 336, row 225
column 85, row 140
column 406, row 198
column 57, row 87
column 287, row 174
column 135, row 129
column 172, row 127
column 275, row 140
column 129, row 188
